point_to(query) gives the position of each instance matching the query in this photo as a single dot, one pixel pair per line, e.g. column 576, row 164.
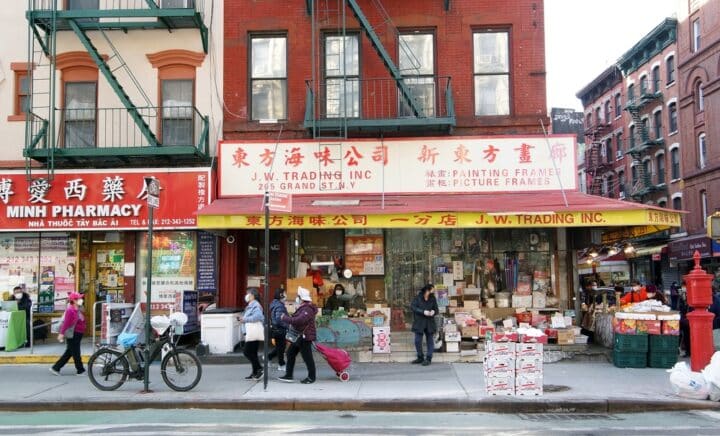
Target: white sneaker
column 52, row 370
column 281, row 368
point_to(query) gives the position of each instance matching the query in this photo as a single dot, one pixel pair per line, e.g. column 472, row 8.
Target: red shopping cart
column 338, row 359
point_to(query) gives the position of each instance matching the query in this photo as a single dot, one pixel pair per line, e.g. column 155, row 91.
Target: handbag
column 254, row 331
column 70, row 331
column 293, row 336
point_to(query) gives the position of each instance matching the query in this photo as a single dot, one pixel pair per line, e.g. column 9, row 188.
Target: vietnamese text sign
column 100, row 199
column 459, row 164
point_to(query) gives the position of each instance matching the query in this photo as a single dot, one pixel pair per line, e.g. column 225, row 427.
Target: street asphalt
column 569, row 387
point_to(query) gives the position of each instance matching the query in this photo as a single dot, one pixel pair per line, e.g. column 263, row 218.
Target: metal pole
column 266, row 292
column 148, row 299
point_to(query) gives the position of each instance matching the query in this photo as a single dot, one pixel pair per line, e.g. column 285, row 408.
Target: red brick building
column 699, row 67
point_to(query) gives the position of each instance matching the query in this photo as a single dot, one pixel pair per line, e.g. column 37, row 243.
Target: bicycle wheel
column 181, row 370
column 108, row 369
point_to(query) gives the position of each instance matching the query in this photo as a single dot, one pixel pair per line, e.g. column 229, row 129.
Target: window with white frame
column 618, row 105
column 670, row 69
column 619, row 145
column 677, row 203
column 417, row 65
column 696, row 34
column 607, row 111
column 660, row 164
column 675, row 163
column 673, row 117
column 177, row 112
column 491, row 68
column 704, row 206
column 656, row 78
column 79, row 115
column 657, row 124
column 268, row 77
column 342, row 74
column 699, row 97
column 702, row 150
column 643, row 85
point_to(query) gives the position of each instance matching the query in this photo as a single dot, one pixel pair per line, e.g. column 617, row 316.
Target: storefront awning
column 491, row 210
column 648, row 251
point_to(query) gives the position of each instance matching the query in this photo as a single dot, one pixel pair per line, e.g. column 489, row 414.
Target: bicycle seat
column 127, row 340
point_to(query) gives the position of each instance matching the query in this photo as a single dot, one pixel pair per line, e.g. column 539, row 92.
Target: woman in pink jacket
column 71, row 331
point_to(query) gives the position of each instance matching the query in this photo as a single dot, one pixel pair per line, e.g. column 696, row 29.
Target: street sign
column 280, row 202
column 153, row 192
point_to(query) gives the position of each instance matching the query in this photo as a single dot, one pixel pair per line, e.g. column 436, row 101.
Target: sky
column 584, row 37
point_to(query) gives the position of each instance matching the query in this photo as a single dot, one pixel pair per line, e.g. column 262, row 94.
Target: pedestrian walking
column 278, row 328
column 253, row 320
column 424, row 308
column 72, row 328
column 302, row 321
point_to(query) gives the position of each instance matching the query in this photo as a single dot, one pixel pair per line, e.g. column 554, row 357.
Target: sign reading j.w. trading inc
column 430, row 165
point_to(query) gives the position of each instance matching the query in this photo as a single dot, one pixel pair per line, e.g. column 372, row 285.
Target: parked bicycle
column 109, row 367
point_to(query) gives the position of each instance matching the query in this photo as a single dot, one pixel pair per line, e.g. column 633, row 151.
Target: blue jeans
column 430, row 344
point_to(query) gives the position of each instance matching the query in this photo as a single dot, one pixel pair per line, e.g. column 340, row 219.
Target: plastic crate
column 662, row 360
column 631, row 343
column 624, row 359
column 664, row 343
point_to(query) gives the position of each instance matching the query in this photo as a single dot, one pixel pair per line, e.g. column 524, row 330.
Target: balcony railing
column 378, row 103
column 118, row 5
column 647, row 96
column 104, row 132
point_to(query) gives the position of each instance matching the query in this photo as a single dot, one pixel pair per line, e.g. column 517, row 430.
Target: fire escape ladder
column 393, row 69
column 114, row 83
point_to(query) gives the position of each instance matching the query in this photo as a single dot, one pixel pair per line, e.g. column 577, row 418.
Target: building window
column 607, row 111
column 619, row 145
column 631, row 92
column 588, row 121
column 598, row 120
column 699, row 97
column 268, row 77
column 704, row 206
column 79, row 114
column 670, row 69
column 632, row 137
column 634, row 175
column 657, row 124
column 342, row 76
column 675, row 161
column 644, row 129
column 660, row 164
column 656, row 79
column 491, row 68
column 677, row 203
column 702, row 150
column 647, row 169
column 610, row 189
column 696, row 34
column 608, row 150
column 643, row 85
column 618, row 105
column 621, row 184
column 662, row 203
column 673, row 117
column 177, row 112
column 21, row 90
column 417, row 65
column 83, row 4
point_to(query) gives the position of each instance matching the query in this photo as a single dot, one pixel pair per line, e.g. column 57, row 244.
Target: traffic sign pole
column 153, row 201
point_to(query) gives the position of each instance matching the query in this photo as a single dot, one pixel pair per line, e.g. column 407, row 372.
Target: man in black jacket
column 24, row 303
column 424, row 308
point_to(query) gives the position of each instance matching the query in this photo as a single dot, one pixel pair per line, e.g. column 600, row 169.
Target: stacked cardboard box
column 499, row 368
column 528, row 369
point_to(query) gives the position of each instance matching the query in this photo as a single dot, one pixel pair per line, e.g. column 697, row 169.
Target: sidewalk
column 44, row 352
column 570, row 387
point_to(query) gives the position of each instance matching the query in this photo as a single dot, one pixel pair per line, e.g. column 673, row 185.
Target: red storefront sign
column 101, row 199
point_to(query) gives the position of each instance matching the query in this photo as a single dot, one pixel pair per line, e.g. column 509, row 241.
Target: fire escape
column 596, row 162
column 130, row 133
column 641, row 142
column 402, row 100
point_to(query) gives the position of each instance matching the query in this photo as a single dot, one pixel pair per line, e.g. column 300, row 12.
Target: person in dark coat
column 24, row 303
column 303, row 320
column 279, row 327
column 335, row 301
column 674, row 295
column 424, row 308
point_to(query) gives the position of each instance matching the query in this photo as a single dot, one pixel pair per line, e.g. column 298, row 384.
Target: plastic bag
column 688, row 384
column 712, row 376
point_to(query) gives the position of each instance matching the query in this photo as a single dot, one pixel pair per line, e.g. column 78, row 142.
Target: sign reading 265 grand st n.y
column 429, row 165
column 100, row 199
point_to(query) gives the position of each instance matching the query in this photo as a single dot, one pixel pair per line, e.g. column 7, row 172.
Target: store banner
column 100, row 199
column 427, row 165
column 440, row 220
column 684, row 249
column 207, row 262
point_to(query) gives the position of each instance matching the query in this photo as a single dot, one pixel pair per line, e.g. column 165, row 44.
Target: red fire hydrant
column 699, row 297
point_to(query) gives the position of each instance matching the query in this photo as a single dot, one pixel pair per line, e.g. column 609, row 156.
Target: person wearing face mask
column 71, row 331
column 303, row 320
column 278, row 327
column 424, row 308
column 253, row 314
column 335, row 302
column 24, row 303
column 638, row 294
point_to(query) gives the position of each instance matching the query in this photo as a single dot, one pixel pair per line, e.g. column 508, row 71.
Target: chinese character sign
column 427, row 165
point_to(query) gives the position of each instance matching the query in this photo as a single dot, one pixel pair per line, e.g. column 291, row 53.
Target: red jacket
column 635, row 296
column 73, row 317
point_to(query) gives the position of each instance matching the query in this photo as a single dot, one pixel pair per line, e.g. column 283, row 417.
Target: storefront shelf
column 631, row 343
column 629, row 359
column 662, row 360
column 664, row 343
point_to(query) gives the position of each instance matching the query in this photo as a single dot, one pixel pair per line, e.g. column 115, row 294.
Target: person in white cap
column 303, row 320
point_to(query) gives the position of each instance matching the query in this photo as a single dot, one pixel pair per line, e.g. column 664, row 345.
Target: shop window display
column 173, row 266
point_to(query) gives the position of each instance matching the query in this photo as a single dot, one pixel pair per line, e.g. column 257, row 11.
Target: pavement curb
column 491, row 405
column 34, row 359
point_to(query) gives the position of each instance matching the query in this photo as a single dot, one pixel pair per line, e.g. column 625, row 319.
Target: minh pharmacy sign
column 100, row 200
column 424, row 165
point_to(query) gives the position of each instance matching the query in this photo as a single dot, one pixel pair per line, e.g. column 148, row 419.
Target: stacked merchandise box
column 499, row 368
column 663, row 351
column 630, row 350
column 529, row 369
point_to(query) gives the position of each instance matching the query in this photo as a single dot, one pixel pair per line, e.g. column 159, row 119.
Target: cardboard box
column 539, row 299
column 534, row 339
column 452, row 347
column 461, row 318
column 529, row 350
column 452, row 336
column 494, row 349
column 291, row 287
column 503, row 336
column 471, row 304
column 529, row 364
column 551, row 333
column 450, row 327
column 566, row 337
column 649, row 327
column 671, row 327
column 499, row 364
column 453, row 302
column 502, row 385
column 624, row 326
column 530, row 384
column 522, row 300
column 470, row 331
column 484, row 329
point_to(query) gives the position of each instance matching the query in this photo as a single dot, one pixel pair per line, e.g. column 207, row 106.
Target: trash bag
column 712, row 376
column 688, row 384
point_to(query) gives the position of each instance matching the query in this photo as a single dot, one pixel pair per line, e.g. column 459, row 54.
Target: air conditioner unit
column 621, row 196
column 619, row 154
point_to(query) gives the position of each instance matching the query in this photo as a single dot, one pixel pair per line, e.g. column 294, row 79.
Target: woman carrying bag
column 71, row 331
column 300, row 336
column 253, row 320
